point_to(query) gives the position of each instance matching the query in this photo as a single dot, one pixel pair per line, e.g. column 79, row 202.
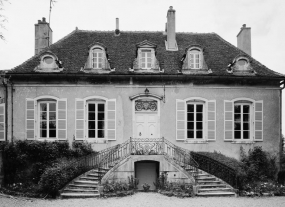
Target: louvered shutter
column 79, row 119
column 211, row 120
column 111, row 119
column 190, row 58
column 229, row 120
column 258, row 116
column 200, row 60
column 104, row 59
column 180, row 120
column 62, row 119
column 2, row 122
column 140, row 59
column 30, row 119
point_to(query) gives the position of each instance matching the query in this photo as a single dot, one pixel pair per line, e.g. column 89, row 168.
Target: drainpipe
column 6, row 105
column 12, row 114
column 280, row 98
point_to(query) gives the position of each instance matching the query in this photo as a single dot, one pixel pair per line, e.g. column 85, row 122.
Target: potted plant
column 146, row 187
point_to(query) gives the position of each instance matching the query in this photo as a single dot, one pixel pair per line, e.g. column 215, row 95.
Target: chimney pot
column 44, row 19
column 117, row 31
column 244, row 39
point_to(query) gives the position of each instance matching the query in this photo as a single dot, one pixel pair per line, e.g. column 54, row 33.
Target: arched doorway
column 147, row 172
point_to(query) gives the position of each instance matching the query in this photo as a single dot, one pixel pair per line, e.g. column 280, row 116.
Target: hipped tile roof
column 72, row 50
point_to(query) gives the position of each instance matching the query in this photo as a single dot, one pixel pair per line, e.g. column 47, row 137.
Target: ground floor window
column 47, row 119
column 96, row 119
column 195, row 120
column 242, row 120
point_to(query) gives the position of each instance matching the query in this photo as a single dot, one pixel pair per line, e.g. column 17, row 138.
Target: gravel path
column 146, row 199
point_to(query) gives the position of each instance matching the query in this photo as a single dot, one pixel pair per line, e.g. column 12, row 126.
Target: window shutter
column 212, row 120
column 62, row 119
column 30, row 119
column 2, row 122
column 229, row 120
column 104, row 59
column 152, row 59
column 79, row 119
column 200, row 60
column 180, row 120
column 111, row 119
column 258, row 116
column 189, row 59
column 140, row 58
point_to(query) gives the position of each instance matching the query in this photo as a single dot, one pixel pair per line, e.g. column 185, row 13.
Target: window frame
column 140, row 57
column 91, row 57
column 250, row 121
column 199, row 52
column 47, row 120
column 96, row 102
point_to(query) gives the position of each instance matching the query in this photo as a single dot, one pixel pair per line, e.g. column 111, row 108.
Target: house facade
column 197, row 91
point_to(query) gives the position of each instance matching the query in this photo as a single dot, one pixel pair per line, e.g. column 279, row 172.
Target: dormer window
column 145, row 60
column 241, row 66
column 49, row 63
column 195, row 58
column 193, row 61
column 97, row 61
column 97, row 58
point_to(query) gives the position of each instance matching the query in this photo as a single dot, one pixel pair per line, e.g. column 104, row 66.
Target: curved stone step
column 79, row 195
column 216, row 194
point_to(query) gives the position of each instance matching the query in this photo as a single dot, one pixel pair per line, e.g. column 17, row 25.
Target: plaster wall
column 124, row 113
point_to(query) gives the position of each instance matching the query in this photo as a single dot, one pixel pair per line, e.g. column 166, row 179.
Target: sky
column 224, row 17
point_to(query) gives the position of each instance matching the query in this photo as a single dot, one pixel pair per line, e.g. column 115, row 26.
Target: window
column 97, row 58
column 95, row 119
column 241, row 65
column 196, row 119
column 49, row 63
column 146, row 58
column 2, row 121
column 46, row 118
column 195, row 59
column 243, row 120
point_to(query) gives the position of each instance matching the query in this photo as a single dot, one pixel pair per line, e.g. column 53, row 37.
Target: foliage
column 2, row 18
column 58, row 175
column 161, row 182
column 81, row 149
column 146, row 187
column 25, row 161
column 263, row 188
column 133, row 182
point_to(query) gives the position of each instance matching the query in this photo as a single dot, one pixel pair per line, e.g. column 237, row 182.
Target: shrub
column 81, row 149
column 58, row 175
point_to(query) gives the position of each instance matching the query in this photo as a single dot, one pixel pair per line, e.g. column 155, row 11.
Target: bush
column 81, row 149
column 58, row 175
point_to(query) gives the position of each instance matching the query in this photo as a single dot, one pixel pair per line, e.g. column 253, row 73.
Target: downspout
column 12, row 114
column 4, row 82
column 281, row 150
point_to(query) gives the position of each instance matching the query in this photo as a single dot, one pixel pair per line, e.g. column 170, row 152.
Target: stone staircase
column 209, row 185
column 84, row 186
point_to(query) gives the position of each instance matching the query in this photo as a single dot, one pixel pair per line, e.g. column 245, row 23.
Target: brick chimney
column 171, row 37
column 244, row 39
column 43, row 35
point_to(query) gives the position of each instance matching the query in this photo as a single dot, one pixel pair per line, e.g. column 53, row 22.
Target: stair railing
column 216, row 168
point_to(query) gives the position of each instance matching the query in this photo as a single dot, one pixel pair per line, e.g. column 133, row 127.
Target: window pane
column 190, row 134
column 149, row 65
column 100, row 133
column 101, row 107
column 190, row 117
column 101, row 116
column 199, row 125
column 143, row 65
column 43, row 116
column 246, row 117
column 91, row 116
column 43, row 107
column 100, row 54
column 237, row 117
column 91, row 107
column 100, row 65
column 237, row 135
column 43, row 125
column 199, row 108
column 52, row 133
column 237, row 126
column 199, row 134
column 199, row 117
column 100, row 124
column 91, row 133
column 245, row 126
column 148, row 54
column 237, row 108
column 52, row 125
column 91, row 125
column 52, row 107
column 246, row 109
column 190, row 125
column 149, row 60
column 190, row 108
column 52, row 115
column 143, row 54
column 246, row 134
column 43, row 133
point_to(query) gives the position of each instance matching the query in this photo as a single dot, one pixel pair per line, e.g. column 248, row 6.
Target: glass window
column 194, row 59
column 195, row 120
column 97, row 58
column 96, row 120
column 146, row 59
column 47, row 120
column 242, row 121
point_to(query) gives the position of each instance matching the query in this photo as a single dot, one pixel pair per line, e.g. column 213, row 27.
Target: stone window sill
column 243, row 142
column 196, row 142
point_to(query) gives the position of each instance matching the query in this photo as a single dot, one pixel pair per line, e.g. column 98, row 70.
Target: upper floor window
column 241, row 65
column 195, row 58
column 49, row 63
column 97, row 58
column 146, row 58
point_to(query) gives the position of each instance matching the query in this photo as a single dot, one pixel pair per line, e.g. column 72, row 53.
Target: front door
column 146, row 125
